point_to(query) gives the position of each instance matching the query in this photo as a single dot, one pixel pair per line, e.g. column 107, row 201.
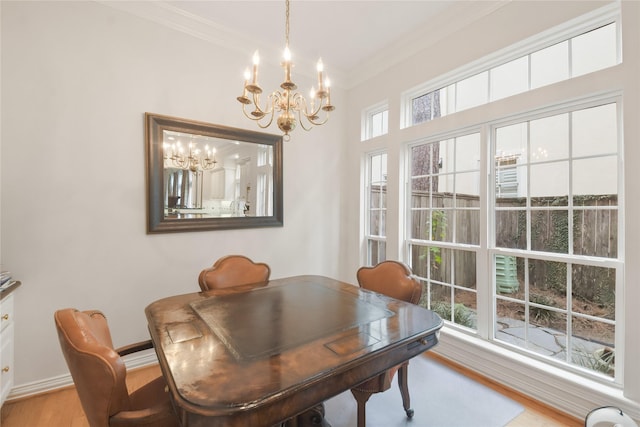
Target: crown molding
column 177, row 19
column 461, row 14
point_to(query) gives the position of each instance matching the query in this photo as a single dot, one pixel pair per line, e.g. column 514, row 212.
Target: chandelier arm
column 301, row 116
column 317, row 123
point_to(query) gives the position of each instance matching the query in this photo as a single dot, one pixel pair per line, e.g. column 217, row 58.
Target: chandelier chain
column 287, row 24
column 290, row 106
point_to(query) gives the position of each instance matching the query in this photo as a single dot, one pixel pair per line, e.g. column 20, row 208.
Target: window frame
column 609, row 14
column 367, row 120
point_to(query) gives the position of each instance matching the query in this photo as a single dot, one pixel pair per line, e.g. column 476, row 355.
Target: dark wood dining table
column 259, row 355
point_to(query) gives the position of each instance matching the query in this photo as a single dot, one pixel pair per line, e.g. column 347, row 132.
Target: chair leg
column 404, row 389
column 361, row 398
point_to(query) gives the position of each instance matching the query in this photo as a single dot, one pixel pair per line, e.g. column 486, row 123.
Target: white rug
column 440, row 397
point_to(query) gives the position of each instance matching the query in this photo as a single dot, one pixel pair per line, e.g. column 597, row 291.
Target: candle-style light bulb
column 320, row 68
column 256, row 62
column 287, row 54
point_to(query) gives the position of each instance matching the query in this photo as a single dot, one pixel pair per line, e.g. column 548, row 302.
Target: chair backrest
column 391, row 278
column 98, row 371
column 233, row 270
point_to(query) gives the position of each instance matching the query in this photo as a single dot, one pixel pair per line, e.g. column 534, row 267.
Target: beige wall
column 77, row 78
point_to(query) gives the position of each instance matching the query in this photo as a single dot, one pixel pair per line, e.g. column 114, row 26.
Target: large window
column 376, row 196
column 512, row 220
column 556, row 266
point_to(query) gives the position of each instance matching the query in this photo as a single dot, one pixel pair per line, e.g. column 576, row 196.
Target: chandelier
column 290, row 106
column 195, row 160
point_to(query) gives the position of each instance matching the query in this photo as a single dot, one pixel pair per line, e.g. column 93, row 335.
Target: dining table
column 271, row 353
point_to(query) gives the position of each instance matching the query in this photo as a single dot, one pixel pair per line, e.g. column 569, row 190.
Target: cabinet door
column 6, row 362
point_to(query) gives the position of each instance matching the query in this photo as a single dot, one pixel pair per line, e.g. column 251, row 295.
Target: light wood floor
column 62, row 408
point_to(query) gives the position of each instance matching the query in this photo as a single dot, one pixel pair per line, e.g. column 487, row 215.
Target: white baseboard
column 139, row 360
column 570, row 393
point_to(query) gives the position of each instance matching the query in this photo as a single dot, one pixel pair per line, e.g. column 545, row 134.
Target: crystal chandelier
column 290, row 106
column 195, row 160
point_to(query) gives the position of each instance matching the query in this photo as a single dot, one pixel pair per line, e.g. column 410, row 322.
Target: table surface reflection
column 257, row 355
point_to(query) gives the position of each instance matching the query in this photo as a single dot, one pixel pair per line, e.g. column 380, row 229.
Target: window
column 444, row 224
column 556, row 265
column 375, row 121
column 591, row 50
column 512, row 221
column 376, row 197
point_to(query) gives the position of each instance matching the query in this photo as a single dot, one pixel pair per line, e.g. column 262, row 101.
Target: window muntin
column 376, row 199
column 593, row 50
column 564, row 221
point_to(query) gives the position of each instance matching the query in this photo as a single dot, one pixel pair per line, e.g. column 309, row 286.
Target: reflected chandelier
column 287, row 103
column 194, row 161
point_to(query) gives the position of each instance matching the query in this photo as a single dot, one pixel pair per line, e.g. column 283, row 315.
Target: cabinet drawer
column 6, row 312
column 6, row 362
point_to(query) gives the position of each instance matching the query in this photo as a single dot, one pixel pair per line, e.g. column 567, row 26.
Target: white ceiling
column 352, row 37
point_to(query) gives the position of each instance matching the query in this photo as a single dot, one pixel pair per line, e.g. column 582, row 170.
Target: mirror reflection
column 202, row 176
column 206, row 176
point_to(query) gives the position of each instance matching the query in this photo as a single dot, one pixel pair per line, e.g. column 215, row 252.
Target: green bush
column 461, row 314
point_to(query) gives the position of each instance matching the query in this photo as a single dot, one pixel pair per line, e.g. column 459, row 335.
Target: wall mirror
column 202, row 176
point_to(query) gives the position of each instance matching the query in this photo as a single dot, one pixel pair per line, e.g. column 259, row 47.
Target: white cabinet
column 6, row 346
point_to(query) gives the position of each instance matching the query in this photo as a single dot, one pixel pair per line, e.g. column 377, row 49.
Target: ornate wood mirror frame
column 242, row 189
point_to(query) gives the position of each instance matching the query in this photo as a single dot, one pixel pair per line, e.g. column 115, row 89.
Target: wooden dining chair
column 99, row 374
column 394, row 279
column 233, row 270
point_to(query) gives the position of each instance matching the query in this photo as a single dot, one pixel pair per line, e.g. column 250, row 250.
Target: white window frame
column 367, row 120
column 368, row 237
column 572, row 28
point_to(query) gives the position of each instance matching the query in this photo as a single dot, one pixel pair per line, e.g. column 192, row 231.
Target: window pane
column 549, row 231
column 511, row 142
column 510, row 322
column 550, row 65
column 467, row 152
column 440, row 296
column 549, row 183
column 467, row 188
column 464, row 308
column 464, row 264
column 508, row 275
column 595, row 232
column 593, row 345
column 548, row 283
column 440, row 264
column 597, row 176
column 377, row 251
column 593, row 291
column 379, row 123
column 511, row 229
column 594, row 50
column 440, row 225
column 549, row 138
column 426, row 107
column 468, row 226
column 547, row 332
column 510, row 78
column 472, row 91
column 594, row 131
